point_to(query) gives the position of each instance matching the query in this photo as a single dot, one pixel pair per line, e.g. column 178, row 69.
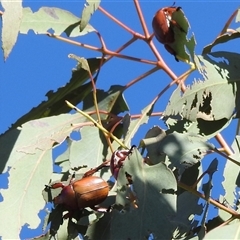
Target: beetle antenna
column 131, row 149
column 94, row 170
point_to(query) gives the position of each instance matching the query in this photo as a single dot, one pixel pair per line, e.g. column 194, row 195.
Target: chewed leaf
column 87, row 12
column 135, row 124
column 111, row 100
column 201, row 99
column 152, row 141
column 82, row 62
column 99, row 230
column 225, row 34
column 221, row 39
column 190, row 45
column 74, row 91
column 26, row 181
column 187, row 205
column 184, row 150
column 153, row 188
column 180, row 36
column 206, row 187
column 40, row 134
column 11, row 23
column 212, row 168
column 88, row 150
column 221, row 66
column 207, row 129
column 231, row 177
column 231, row 231
column 47, row 18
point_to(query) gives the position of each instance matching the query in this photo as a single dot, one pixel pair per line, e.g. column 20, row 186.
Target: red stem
column 125, row 45
column 213, row 202
column 223, row 144
column 141, row 77
column 141, row 18
column 104, row 51
column 138, row 35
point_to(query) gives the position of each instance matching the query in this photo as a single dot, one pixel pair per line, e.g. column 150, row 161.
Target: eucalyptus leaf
column 88, row 150
column 231, row 175
column 111, row 100
column 184, row 150
column 74, row 91
column 180, row 36
column 154, row 190
column 47, row 18
column 89, row 8
column 231, row 231
column 152, row 143
column 11, row 21
column 135, row 124
column 34, row 170
column 201, row 99
column 31, row 161
column 187, row 206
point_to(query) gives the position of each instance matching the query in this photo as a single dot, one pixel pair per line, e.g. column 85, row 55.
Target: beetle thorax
column 168, row 18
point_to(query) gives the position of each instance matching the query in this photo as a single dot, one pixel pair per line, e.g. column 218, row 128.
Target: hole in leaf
column 206, row 105
column 27, row 232
column 58, row 160
column 4, row 182
column 75, row 135
column 194, row 102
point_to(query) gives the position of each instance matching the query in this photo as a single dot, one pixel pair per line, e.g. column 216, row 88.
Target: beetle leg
column 47, row 187
column 67, row 215
column 100, row 209
column 57, row 185
column 94, row 170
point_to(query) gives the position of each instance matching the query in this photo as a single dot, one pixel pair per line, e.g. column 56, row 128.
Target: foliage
column 159, row 192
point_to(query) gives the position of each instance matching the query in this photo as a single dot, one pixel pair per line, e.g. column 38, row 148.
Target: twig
column 104, row 51
column 95, row 96
column 141, row 77
column 125, row 45
column 104, row 130
column 141, row 18
column 213, row 202
column 223, row 144
column 226, row 156
column 155, row 51
column 137, row 35
column 228, row 23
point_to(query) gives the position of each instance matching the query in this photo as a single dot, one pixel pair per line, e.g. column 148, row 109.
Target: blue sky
column 38, row 63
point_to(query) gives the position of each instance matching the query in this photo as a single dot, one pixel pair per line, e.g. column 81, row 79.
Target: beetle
column 117, row 159
column 89, row 191
column 163, row 25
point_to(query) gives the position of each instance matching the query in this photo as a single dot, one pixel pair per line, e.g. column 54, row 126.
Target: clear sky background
column 38, row 63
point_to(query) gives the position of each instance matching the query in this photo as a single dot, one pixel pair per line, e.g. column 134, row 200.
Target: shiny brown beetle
column 163, row 24
column 86, row 192
column 89, row 191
